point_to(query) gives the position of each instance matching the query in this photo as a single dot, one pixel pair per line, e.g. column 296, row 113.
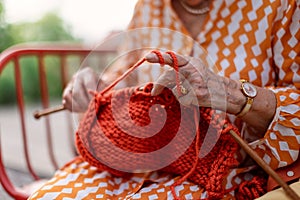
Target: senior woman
column 250, row 40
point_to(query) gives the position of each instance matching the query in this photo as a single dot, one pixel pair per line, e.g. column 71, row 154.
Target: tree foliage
column 49, row 28
column 6, row 39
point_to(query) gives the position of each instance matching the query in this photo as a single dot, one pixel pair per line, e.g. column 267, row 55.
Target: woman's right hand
column 76, row 95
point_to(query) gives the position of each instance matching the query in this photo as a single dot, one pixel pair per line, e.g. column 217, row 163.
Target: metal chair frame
column 40, row 51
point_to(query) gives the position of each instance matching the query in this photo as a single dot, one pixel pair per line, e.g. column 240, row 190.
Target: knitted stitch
column 99, row 130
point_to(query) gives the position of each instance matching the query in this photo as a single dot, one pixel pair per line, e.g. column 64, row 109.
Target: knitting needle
column 48, row 111
column 264, row 165
column 236, row 137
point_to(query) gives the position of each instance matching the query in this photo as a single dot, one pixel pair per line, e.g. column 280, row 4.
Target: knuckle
column 202, row 93
column 87, row 69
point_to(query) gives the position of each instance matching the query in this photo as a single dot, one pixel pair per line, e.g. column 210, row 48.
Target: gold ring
column 183, row 90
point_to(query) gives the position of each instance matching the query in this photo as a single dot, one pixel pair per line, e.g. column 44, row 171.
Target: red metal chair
column 70, row 57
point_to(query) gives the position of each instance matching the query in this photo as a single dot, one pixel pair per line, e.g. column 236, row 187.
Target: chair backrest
column 27, row 143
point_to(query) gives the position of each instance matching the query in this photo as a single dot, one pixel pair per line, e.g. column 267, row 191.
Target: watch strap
column 248, row 104
column 246, row 107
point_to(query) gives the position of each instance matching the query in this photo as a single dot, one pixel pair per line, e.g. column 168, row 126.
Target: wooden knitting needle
column 48, row 111
column 290, row 192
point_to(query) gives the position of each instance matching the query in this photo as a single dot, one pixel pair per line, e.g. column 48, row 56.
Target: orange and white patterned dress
column 246, row 39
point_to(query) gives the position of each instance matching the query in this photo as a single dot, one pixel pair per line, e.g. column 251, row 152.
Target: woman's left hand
column 199, row 84
column 205, row 88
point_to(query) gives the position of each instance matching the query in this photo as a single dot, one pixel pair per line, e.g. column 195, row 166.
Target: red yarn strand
column 161, row 61
column 197, row 147
column 176, row 68
column 160, row 57
column 113, row 84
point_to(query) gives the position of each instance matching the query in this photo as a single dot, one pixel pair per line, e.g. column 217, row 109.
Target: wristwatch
column 249, row 91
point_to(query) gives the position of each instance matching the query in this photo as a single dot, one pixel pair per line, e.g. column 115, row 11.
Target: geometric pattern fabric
column 257, row 40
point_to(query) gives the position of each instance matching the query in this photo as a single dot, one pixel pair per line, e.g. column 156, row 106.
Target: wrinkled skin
column 204, row 87
column 76, row 96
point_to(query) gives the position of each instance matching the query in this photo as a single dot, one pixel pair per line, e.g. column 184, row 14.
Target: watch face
column 249, row 89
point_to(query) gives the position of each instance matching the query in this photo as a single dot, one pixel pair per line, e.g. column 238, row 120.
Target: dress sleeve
column 281, row 143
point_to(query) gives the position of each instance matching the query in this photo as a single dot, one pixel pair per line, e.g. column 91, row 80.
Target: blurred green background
column 50, row 28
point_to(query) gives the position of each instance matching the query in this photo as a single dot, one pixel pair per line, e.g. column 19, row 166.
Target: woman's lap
column 79, row 180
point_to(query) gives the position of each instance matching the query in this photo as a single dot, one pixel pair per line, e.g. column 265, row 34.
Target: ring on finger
column 181, row 91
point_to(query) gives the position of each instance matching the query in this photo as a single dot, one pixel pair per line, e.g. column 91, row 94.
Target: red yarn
column 100, row 130
column 252, row 189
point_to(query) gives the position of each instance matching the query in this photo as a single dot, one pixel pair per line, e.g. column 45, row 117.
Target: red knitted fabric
column 113, row 120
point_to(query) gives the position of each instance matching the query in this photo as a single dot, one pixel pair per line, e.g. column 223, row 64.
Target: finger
column 67, row 97
column 168, row 60
column 81, row 97
column 168, row 78
column 70, row 103
column 187, row 100
column 67, row 102
column 84, row 81
column 77, row 107
column 185, row 94
column 89, row 77
column 91, row 81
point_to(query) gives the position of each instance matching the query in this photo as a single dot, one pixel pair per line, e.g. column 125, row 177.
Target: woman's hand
column 76, row 96
column 199, row 84
column 207, row 89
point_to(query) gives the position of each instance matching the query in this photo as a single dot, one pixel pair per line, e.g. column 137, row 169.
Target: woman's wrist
column 263, row 102
column 235, row 98
column 262, row 110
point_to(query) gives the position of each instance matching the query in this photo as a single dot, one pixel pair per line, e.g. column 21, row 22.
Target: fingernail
column 63, row 102
column 153, row 92
column 150, row 56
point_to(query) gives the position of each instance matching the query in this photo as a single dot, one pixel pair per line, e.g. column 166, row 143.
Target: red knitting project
column 124, row 130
